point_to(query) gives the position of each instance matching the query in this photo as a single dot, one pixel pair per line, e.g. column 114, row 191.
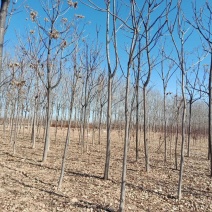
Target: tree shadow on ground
column 40, row 164
column 29, row 161
column 198, row 192
column 81, row 203
column 25, row 159
column 40, row 189
column 158, row 193
column 84, row 174
column 26, row 175
column 96, row 207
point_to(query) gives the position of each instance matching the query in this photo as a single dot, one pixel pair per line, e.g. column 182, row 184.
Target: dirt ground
column 28, row 185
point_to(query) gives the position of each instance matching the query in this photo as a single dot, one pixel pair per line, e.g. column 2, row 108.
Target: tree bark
column 189, row 128
column 66, row 145
column 145, row 132
column 126, row 144
column 210, row 116
column 165, row 125
column 3, row 15
column 47, row 130
column 33, row 137
column 137, row 110
column 176, row 138
column 107, row 161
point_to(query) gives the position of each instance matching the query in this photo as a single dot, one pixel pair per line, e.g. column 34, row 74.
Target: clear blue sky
column 19, row 24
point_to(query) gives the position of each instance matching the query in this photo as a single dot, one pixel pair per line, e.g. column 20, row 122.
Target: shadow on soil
column 198, row 192
column 40, row 189
column 162, row 195
column 94, row 206
column 84, row 175
column 81, row 203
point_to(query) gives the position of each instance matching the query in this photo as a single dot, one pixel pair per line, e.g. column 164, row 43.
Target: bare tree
column 102, row 100
column 16, row 89
column 90, row 62
column 165, row 77
column 193, row 97
column 202, row 23
column 149, row 41
column 54, row 35
column 141, row 16
column 74, row 81
column 134, row 38
column 177, row 132
column 179, row 35
column 137, row 94
column 111, row 74
column 111, row 43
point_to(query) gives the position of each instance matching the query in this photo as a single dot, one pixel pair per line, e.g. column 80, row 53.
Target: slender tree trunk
column 5, row 120
column 165, row 126
column 107, row 161
column 66, row 145
column 100, row 124
column 137, row 113
column 189, row 128
column 126, row 144
column 176, row 138
column 16, row 128
column 83, row 128
column 94, row 127
column 210, row 117
column 33, row 137
column 3, row 15
column 15, row 135
column 111, row 74
column 16, row 123
column 47, row 134
column 145, row 132
column 56, row 122
column 12, row 121
column 183, row 139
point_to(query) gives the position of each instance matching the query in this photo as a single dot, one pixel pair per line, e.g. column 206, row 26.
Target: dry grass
column 28, row 185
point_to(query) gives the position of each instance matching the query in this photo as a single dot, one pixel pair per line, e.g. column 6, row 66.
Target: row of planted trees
column 31, row 111
column 58, row 77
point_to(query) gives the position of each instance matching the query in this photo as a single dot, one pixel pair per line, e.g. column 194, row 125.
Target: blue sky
column 20, row 22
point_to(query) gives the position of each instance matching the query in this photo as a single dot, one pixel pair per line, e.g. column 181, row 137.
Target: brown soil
column 28, row 185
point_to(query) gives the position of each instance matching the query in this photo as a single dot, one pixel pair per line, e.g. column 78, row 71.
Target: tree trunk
column 56, row 121
column 145, row 132
column 100, row 124
column 16, row 128
column 189, row 128
column 183, row 139
column 126, row 144
column 94, row 126
column 137, row 114
column 16, row 123
column 3, row 15
column 47, row 133
column 5, row 120
column 66, row 145
column 83, row 127
column 107, row 161
column 34, row 125
column 176, row 138
column 12, row 120
column 210, row 117
column 165, row 126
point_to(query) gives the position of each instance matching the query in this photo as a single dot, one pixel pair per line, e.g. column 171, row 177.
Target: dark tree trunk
column 3, row 15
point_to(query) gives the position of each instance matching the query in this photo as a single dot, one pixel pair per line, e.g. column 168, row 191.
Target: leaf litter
column 27, row 184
